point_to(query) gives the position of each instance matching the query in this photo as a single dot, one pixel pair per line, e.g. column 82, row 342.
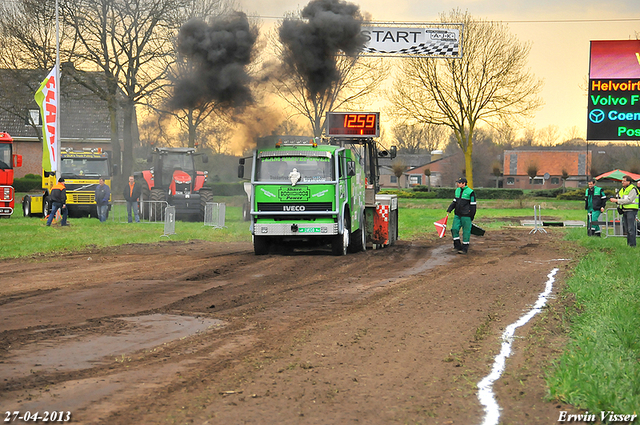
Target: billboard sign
column 425, row 40
column 613, row 111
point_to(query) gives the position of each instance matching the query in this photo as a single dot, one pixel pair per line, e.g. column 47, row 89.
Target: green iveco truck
column 304, row 192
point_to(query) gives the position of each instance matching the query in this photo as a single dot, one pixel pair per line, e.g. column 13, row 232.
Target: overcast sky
column 559, row 30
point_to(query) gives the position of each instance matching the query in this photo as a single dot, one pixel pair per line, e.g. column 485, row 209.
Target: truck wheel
column 26, row 206
column 46, row 206
column 156, row 206
column 359, row 237
column 340, row 243
column 260, row 245
column 205, row 197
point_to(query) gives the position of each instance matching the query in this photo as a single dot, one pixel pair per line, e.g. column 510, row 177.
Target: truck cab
column 306, row 193
column 8, row 160
column 81, row 170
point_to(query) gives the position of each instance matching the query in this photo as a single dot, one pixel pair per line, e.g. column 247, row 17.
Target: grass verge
column 27, row 236
column 600, row 367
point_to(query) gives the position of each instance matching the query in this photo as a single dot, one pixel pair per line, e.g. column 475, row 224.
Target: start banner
column 416, row 40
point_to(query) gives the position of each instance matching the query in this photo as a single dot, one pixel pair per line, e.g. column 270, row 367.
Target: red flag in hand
column 441, row 226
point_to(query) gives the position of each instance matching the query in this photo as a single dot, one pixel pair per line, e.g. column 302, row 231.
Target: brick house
column 84, row 118
column 444, row 171
column 549, row 167
column 388, row 179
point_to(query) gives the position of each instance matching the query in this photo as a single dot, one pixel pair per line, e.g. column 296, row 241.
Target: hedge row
column 420, row 192
column 28, row 183
column 448, row 193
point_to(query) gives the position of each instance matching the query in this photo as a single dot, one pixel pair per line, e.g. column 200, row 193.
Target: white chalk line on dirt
column 485, row 387
column 548, row 261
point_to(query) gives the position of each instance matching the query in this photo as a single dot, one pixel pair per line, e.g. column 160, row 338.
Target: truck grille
column 299, row 207
column 81, row 198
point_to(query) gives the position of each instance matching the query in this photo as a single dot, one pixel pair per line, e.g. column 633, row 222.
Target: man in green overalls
column 464, row 204
column 594, row 202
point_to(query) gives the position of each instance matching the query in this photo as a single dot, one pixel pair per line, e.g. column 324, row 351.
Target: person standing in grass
column 132, row 193
column 627, row 201
column 594, row 202
column 464, row 204
column 58, row 197
column 103, row 193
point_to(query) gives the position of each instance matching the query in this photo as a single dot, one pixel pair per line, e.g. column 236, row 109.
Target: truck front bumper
column 295, row 229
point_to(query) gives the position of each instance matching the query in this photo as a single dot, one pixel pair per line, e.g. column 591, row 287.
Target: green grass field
column 600, row 368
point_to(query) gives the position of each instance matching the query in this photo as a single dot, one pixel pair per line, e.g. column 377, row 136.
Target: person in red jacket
column 58, row 198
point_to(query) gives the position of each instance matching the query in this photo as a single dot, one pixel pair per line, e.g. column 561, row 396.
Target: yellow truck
column 81, row 169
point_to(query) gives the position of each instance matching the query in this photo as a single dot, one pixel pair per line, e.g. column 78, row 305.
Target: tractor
column 173, row 179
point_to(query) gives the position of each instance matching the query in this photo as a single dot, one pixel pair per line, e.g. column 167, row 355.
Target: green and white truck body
column 307, row 192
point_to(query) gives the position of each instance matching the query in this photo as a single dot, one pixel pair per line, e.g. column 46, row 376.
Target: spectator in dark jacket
column 103, row 193
column 132, row 193
column 58, row 198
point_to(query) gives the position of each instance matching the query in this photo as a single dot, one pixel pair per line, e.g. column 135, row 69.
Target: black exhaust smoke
column 216, row 58
column 311, row 46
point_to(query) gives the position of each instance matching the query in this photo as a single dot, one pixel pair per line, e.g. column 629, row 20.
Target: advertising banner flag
column 441, row 226
column 47, row 98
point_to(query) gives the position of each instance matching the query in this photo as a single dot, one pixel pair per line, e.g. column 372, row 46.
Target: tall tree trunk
column 112, row 105
column 127, row 138
column 192, row 129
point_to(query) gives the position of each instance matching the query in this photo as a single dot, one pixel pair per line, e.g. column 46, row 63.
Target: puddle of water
column 82, row 352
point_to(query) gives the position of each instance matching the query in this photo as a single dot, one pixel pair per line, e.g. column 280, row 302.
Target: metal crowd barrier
column 214, row 214
column 150, row 211
column 612, row 226
column 169, row 221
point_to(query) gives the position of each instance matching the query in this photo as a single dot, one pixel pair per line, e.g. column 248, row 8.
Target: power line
column 507, row 21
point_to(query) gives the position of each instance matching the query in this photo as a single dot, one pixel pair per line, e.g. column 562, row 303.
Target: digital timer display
column 353, row 124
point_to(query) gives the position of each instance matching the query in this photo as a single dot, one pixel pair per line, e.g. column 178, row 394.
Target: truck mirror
column 115, row 169
column 241, row 161
column 205, row 159
column 150, row 159
column 241, row 171
column 393, row 151
column 351, row 168
column 17, row 160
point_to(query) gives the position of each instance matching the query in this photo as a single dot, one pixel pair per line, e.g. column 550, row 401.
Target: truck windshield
column 311, row 169
column 5, row 156
column 85, row 167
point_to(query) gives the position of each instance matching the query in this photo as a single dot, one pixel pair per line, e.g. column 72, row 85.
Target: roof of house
column 83, row 115
column 546, row 161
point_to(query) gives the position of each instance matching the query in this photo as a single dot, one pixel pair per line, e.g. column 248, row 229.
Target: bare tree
column 358, row 79
column 490, row 82
column 320, row 69
column 28, row 46
column 131, row 42
column 415, row 138
column 398, row 167
column 532, row 171
column 549, row 135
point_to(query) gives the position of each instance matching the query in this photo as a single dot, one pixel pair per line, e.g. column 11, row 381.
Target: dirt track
column 208, row 333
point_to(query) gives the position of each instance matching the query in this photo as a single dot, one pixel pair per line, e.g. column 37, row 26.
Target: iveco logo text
column 293, row 208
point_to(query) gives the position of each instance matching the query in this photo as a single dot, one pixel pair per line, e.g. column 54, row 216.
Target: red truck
column 8, row 160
